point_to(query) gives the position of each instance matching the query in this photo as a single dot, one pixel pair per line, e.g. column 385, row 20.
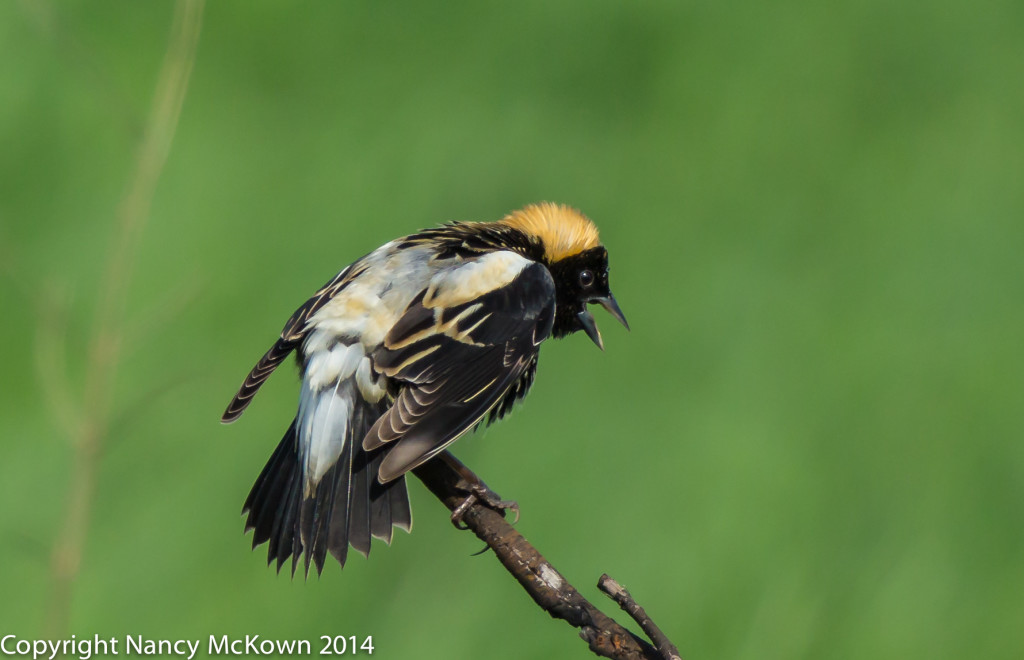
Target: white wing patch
column 372, row 303
column 368, row 382
column 333, row 379
column 345, row 330
column 324, row 367
column 323, row 426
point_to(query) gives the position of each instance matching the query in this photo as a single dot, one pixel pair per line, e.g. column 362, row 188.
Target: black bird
column 403, row 352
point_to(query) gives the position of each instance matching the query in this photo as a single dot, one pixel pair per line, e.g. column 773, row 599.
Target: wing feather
column 457, row 364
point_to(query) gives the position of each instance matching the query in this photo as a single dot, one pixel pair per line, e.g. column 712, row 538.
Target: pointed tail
column 348, row 505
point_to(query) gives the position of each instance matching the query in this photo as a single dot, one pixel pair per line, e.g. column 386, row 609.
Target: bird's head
column 577, row 261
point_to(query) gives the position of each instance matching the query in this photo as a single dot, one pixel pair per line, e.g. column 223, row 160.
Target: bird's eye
column 586, row 278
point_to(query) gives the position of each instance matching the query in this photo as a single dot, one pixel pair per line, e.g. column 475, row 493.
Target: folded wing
column 458, row 357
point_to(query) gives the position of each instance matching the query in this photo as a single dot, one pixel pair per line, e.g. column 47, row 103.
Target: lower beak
column 590, row 326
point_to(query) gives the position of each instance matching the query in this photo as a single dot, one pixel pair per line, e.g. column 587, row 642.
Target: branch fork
column 446, row 479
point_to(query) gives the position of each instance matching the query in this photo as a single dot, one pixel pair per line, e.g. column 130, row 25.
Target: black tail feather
column 348, row 507
column 398, row 498
column 270, row 488
column 337, row 537
column 318, row 510
column 280, row 543
column 380, row 504
column 359, row 510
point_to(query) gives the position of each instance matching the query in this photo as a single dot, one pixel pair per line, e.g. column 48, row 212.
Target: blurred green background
column 808, row 446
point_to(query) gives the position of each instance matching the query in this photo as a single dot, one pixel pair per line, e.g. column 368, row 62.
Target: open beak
column 590, row 326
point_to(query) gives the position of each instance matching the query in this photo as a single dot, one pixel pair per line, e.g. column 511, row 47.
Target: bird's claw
column 478, row 492
column 461, row 510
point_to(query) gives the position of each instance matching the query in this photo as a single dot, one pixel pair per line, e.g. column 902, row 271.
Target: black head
column 581, row 279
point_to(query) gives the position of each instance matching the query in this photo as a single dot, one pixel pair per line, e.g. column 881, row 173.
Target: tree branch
column 620, row 595
column 539, row 578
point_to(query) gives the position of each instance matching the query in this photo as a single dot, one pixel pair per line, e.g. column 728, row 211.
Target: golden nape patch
column 563, row 230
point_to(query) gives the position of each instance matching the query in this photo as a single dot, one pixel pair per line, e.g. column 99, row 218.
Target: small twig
column 620, row 595
column 538, row 577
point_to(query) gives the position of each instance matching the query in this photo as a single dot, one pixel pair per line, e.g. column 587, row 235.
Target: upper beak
column 613, row 309
column 590, row 326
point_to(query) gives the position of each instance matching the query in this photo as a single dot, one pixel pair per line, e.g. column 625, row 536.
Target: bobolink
column 403, row 352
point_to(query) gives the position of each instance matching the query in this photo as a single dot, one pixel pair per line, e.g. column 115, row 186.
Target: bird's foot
column 479, row 492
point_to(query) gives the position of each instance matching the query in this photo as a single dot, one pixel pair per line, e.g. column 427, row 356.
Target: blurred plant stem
column 87, row 425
